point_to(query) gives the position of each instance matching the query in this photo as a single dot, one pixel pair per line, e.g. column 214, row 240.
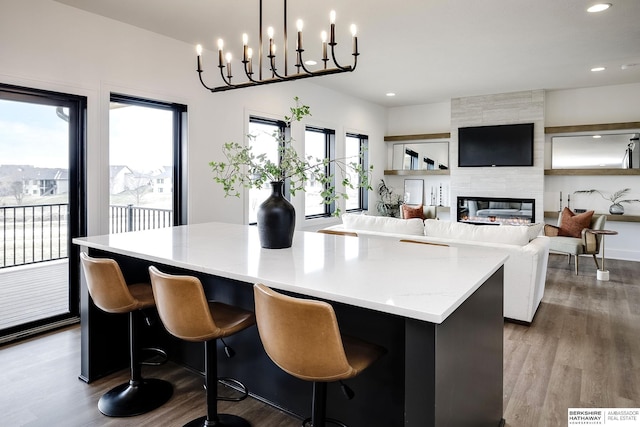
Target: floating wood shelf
column 586, row 172
column 620, row 218
column 417, row 137
column 417, row 172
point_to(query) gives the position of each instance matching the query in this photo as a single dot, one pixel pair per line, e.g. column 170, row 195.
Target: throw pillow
column 411, row 212
column 572, row 225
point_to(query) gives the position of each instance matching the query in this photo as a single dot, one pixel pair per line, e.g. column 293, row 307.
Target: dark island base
column 447, row 374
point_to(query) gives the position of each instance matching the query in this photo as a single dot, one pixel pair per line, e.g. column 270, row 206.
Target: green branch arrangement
column 244, row 169
column 613, row 198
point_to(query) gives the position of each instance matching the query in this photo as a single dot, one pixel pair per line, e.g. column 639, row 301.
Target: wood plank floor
column 582, row 350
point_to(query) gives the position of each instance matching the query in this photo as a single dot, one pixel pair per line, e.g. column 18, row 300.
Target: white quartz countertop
column 423, row 282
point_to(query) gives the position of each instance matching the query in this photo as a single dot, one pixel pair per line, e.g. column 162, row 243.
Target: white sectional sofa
column 524, row 271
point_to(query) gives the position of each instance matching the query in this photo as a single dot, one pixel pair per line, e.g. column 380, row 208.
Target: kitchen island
column 437, row 310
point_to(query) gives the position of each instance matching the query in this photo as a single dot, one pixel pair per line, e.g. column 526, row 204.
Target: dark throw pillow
column 572, row 224
column 411, row 212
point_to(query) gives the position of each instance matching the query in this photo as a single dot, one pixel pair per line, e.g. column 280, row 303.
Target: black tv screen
column 502, row 145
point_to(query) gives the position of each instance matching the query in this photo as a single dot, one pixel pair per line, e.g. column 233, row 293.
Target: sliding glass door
column 41, row 208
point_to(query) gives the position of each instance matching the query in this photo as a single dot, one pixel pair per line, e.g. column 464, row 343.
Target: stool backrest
column 301, row 336
column 107, row 286
column 183, row 306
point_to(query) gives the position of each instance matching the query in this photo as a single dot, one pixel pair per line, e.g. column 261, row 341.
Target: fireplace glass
column 496, row 211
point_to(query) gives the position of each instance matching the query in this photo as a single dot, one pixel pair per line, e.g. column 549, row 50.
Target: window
column 410, row 159
column 264, row 140
column 145, row 146
column 319, row 144
column 356, row 150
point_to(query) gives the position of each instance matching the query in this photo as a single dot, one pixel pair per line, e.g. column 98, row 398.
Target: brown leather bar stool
column 302, row 337
column 111, row 293
column 186, row 314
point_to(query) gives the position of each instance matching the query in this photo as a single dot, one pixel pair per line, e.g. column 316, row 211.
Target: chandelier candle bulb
column 220, row 46
column 199, row 52
column 299, row 24
column 323, row 36
column 229, row 65
column 354, row 31
column 332, row 20
column 245, row 40
column 249, row 57
column 271, row 46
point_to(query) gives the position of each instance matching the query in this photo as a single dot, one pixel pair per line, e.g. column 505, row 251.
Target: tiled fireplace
column 496, row 210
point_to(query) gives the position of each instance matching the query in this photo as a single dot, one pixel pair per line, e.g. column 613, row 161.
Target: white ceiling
column 425, row 51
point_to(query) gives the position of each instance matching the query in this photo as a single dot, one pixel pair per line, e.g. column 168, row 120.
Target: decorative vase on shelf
column 616, row 209
column 276, row 219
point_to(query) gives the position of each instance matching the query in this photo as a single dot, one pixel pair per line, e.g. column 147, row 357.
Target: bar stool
column 302, row 337
column 110, row 293
column 186, row 314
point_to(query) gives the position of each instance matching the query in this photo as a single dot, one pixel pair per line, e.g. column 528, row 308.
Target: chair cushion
column 412, row 212
column 572, row 224
column 569, row 245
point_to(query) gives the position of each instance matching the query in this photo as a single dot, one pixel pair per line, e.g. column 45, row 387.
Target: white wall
column 48, row 45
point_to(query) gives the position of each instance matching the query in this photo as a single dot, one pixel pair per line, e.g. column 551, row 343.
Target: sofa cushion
column 507, row 234
column 572, row 225
column 534, row 230
column 409, row 212
column 412, row 226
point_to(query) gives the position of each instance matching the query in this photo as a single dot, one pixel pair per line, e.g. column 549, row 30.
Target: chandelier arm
column 248, row 73
column 202, row 81
column 224, row 79
column 333, row 56
column 272, row 59
column 302, row 62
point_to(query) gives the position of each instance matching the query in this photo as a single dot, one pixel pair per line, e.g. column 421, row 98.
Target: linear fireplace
column 496, row 210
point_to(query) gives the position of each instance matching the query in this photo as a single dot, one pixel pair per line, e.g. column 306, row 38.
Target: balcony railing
column 130, row 218
column 37, row 233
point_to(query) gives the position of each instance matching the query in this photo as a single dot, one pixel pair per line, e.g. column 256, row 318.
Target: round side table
column 602, row 274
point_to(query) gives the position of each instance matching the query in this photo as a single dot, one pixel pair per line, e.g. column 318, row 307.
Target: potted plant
column 243, row 168
column 616, row 208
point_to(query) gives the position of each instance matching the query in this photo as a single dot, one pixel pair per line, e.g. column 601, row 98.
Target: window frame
column 363, row 147
column 179, row 117
column 330, row 153
column 285, row 132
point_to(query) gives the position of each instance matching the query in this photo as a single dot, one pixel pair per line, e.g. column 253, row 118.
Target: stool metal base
column 127, row 400
column 224, row 420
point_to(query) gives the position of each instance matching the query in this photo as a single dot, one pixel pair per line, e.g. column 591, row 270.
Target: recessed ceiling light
column 311, row 62
column 599, row 7
column 391, row 94
column 596, row 69
column 627, row 66
column 597, row 136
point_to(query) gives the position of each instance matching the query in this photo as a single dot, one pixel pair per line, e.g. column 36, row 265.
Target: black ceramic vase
column 276, row 220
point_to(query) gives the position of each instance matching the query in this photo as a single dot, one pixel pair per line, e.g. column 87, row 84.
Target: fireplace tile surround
column 495, row 210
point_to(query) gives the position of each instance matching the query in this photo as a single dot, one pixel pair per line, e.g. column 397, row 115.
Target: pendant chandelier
column 330, row 64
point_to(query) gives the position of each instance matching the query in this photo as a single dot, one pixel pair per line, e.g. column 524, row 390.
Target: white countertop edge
column 433, row 316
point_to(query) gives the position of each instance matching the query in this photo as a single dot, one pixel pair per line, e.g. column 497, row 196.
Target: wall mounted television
column 501, row 145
